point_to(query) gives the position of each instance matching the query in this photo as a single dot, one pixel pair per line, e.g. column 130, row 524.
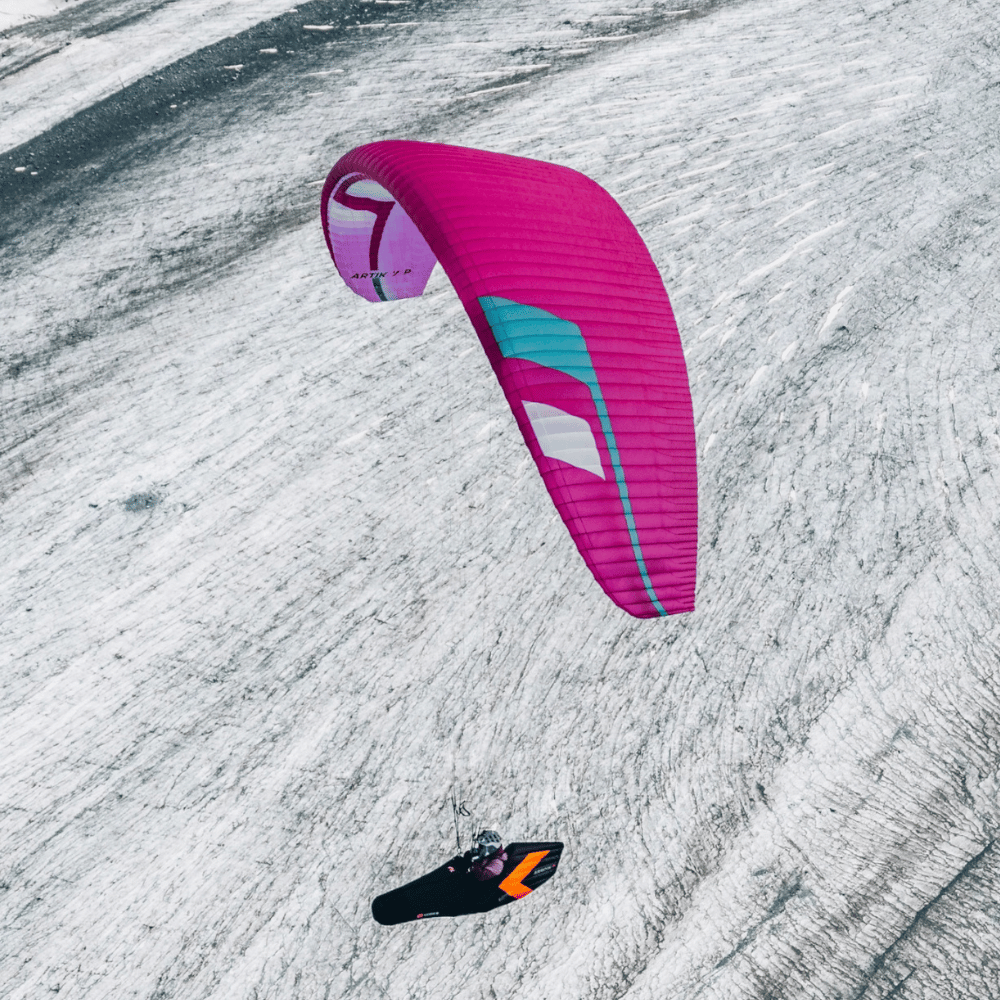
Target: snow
column 16, row 12
column 280, row 576
column 63, row 73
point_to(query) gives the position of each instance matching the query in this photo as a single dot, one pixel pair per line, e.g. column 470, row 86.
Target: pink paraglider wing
column 574, row 318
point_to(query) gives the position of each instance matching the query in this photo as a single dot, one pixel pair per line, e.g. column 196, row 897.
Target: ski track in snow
column 280, row 576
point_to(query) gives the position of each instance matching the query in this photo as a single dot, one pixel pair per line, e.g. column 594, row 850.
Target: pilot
column 487, row 857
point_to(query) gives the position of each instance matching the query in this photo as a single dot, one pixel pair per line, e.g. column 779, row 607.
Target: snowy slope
column 57, row 65
column 17, row 12
column 280, row 577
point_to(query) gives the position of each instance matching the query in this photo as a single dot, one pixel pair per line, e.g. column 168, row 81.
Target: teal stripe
column 536, row 335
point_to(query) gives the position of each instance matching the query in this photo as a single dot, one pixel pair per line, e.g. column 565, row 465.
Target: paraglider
column 576, row 323
column 480, row 880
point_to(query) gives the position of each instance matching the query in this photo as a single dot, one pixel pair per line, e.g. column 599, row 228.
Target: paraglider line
column 454, row 811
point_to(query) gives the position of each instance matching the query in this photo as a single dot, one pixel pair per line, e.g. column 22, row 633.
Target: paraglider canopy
column 576, row 323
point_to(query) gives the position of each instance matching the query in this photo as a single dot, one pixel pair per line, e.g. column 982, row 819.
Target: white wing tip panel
column 564, row 437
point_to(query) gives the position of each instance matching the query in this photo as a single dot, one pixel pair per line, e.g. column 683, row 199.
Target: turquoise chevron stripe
column 536, row 335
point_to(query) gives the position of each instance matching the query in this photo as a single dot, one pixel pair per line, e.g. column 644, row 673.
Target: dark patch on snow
column 789, row 889
column 141, row 501
column 880, row 962
column 111, row 123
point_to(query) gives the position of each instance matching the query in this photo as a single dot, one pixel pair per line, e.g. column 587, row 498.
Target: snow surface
column 280, row 577
column 57, row 66
column 15, row 12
